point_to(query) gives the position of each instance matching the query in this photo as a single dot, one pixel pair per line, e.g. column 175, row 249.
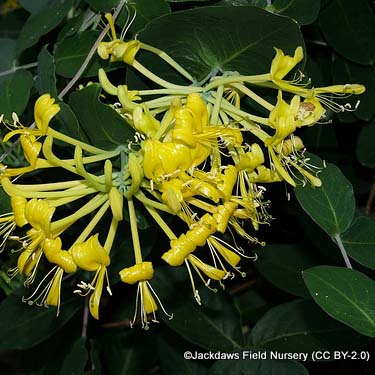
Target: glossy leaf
column 71, row 52
column 31, row 325
column 347, row 72
column 146, row 11
column 46, row 79
column 43, row 22
column 172, row 359
column 8, row 54
column 282, row 266
column 15, row 92
column 345, row 294
column 304, row 12
column 252, row 305
column 332, row 205
column 214, row 326
column 248, row 33
column 257, row 367
column 349, row 27
column 103, row 126
column 359, row 241
column 301, row 326
column 102, row 6
column 365, row 146
column 35, row 6
column 75, row 360
column 5, row 206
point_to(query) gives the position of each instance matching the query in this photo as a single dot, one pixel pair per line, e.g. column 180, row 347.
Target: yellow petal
column 212, row 272
column 139, row 272
column 149, row 304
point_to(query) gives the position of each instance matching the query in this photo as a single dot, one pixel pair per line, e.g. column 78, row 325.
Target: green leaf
column 248, row 34
column 349, row 27
column 31, row 325
column 332, row 205
column 345, row 294
column 172, row 359
column 69, row 124
column 252, row 305
column 35, row 6
column 42, row 23
column 104, row 127
column 4, row 202
column 8, row 53
column 75, row 360
column 14, row 93
column 214, row 326
column 257, row 367
column 129, row 353
column 365, row 146
column 304, row 12
column 146, row 11
column 301, row 326
column 46, row 79
column 282, row 266
column 345, row 71
column 103, row 6
column 71, row 52
column 71, row 27
column 12, row 22
column 359, row 241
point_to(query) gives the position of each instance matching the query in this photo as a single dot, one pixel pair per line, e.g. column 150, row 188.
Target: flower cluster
column 196, row 155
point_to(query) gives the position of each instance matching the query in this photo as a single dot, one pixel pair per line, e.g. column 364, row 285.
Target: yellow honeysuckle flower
column 91, row 256
column 283, row 118
column 141, row 273
column 52, row 249
column 187, row 243
column 282, row 64
column 31, row 148
column 144, row 122
column 250, row 160
column 44, row 110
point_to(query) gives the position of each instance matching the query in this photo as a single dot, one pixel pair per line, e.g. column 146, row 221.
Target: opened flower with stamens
column 91, row 256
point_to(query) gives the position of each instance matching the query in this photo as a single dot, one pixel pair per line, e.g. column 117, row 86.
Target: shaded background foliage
column 298, row 296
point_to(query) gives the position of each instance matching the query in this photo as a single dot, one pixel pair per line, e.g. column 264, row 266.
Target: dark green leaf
column 359, row 241
column 282, row 266
column 301, row 326
column 332, row 205
column 129, row 353
column 215, row 325
column 349, row 27
column 365, row 146
column 74, row 362
column 95, row 358
column 46, row 79
column 248, row 34
column 345, row 71
column 345, row 294
column 251, row 305
column 172, row 360
column 12, row 22
column 257, row 367
column 15, row 92
column 4, row 202
column 43, row 22
column 35, row 6
column 8, row 55
column 71, row 52
column 146, row 11
column 31, row 325
column 69, row 123
column 104, row 127
column 71, row 27
column 103, row 6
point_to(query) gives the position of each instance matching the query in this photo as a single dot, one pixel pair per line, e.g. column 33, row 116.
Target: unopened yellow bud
column 116, row 202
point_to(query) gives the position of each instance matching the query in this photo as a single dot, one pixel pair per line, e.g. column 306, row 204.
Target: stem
column 52, row 185
column 162, row 224
column 85, row 317
column 251, row 94
column 343, row 251
column 168, row 60
column 149, row 202
column 370, row 199
column 15, row 68
column 217, row 104
column 111, row 235
column 236, row 79
column 91, row 53
column 62, row 137
column 134, row 231
column 160, row 81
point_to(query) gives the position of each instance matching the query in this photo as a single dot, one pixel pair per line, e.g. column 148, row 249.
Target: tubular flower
column 91, row 256
column 187, row 157
column 141, row 273
column 44, row 110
